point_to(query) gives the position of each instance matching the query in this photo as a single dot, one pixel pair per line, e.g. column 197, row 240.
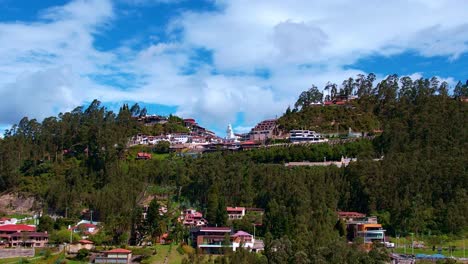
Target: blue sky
column 218, row 61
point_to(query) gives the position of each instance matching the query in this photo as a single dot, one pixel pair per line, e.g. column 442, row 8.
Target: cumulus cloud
column 44, row 65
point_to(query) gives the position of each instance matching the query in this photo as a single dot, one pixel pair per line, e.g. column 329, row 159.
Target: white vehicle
column 389, row 245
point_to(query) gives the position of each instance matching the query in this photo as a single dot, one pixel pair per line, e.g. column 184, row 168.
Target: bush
column 82, row 254
column 180, row 250
column 188, row 249
column 145, row 252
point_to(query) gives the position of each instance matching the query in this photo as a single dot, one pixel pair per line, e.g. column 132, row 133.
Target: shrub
column 82, row 254
column 180, row 250
column 188, row 249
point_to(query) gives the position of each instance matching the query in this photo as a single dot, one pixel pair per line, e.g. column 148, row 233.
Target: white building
column 244, row 238
column 306, row 136
column 235, row 213
column 179, row 138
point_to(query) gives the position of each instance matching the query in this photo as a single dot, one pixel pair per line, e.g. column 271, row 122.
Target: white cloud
column 249, row 34
column 45, row 65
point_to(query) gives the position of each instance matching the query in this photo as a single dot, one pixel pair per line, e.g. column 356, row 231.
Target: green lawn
column 162, row 251
column 458, row 244
column 17, row 216
column 428, row 251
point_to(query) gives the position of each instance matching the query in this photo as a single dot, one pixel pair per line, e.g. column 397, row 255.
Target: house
column 306, row 136
column 242, row 238
column 198, row 140
column 191, row 217
column 81, row 244
column 22, row 235
column 349, row 216
column 189, row 122
column 358, row 225
column 249, row 144
column 235, row 213
column 118, row 255
column 143, row 156
column 179, row 138
column 28, row 239
column 85, row 228
column 151, row 120
column 212, row 240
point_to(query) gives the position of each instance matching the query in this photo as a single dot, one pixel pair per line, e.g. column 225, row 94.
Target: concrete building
column 263, row 130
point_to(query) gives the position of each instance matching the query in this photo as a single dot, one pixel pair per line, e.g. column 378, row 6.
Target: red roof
column 351, row 214
column 119, row 251
column 17, row 228
column 250, row 142
column 215, row 229
column 235, row 209
column 5, row 219
column 84, row 241
column 88, row 225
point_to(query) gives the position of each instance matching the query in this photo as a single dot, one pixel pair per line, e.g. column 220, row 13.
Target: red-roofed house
column 118, row 255
column 249, row 144
column 86, row 229
column 192, row 217
column 212, row 240
column 235, row 213
column 143, row 156
column 244, row 238
column 349, row 216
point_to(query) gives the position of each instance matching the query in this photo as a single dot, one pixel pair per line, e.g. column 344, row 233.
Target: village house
column 191, row 217
column 81, row 244
column 235, row 213
column 151, row 120
column 359, row 225
column 212, row 240
column 22, row 235
column 118, row 255
column 143, row 156
column 85, row 229
column 179, row 138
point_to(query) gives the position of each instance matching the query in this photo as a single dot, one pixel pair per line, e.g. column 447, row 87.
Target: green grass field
column 458, row 244
column 174, row 257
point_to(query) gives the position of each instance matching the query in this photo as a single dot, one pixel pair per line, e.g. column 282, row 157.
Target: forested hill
column 78, row 160
column 362, row 104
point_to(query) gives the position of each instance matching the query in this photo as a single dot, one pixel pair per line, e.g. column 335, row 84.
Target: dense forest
column 79, row 160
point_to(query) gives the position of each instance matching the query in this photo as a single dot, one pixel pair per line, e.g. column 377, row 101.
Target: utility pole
column 412, row 243
column 71, row 233
column 254, row 231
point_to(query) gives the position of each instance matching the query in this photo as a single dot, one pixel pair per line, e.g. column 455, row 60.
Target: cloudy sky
column 219, row 61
